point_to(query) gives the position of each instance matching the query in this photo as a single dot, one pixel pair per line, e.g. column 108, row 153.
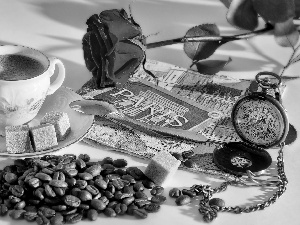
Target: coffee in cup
column 24, row 83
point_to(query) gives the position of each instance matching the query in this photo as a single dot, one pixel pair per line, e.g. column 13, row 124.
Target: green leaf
column 202, row 50
column 211, row 67
column 286, row 34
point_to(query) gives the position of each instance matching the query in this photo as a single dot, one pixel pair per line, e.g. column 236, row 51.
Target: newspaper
column 163, row 101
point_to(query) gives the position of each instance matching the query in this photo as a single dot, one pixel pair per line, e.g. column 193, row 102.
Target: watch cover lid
column 238, row 157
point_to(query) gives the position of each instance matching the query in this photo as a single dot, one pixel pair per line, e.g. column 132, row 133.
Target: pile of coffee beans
column 66, row 189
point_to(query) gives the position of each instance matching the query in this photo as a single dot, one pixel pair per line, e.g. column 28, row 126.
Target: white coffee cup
column 21, row 99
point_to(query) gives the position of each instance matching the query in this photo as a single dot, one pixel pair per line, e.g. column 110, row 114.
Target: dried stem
column 222, row 39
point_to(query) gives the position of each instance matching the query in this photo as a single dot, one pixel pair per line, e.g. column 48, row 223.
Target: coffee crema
column 19, row 67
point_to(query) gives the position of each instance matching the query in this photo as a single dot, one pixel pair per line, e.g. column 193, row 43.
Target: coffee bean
column 120, row 172
column 70, row 172
column 92, row 214
column 129, row 190
column 140, row 194
column 138, row 186
column 69, row 166
column 81, row 184
column 58, row 183
column 59, row 191
column 73, row 218
column 216, row 202
column 190, row 193
column 84, row 157
column 128, row 201
column 110, row 212
column 149, row 184
column 20, row 205
column 16, row 213
column 113, row 176
column 92, row 189
column 94, row 170
column 157, row 190
column 58, row 219
column 107, row 160
column 17, row 190
column 42, row 220
column 118, row 184
column 39, row 192
column 69, row 211
column 48, row 171
column 84, row 195
column 131, row 208
column 71, row 200
column 107, row 169
column 30, row 216
column 84, row 206
column 119, row 163
column 10, row 178
column 152, row 207
column 85, row 176
column 129, row 178
column 183, row 200
column 13, row 199
column 98, row 204
column 190, row 163
column 120, row 208
column 101, row 184
column 140, row 202
column 49, row 191
column 43, row 176
column 174, row 192
column 140, row 213
column 34, row 182
column 3, row 209
column 135, row 172
column 46, row 211
column 108, row 194
column 59, row 207
column 80, row 163
column 71, row 181
column 41, row 163
column 58, row 175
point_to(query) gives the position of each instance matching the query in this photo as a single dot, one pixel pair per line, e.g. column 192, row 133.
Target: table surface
column 57, row 27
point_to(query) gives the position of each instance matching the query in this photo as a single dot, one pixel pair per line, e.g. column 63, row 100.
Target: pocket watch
column 261, row 122
column 259, row 118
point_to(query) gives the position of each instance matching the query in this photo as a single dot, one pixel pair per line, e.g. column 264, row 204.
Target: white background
column 57, row 27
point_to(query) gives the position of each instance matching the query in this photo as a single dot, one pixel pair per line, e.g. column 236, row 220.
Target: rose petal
column 242, row 14
column 275, row 11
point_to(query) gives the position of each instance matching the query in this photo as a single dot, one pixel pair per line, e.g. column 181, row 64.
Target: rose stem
column 223, row 39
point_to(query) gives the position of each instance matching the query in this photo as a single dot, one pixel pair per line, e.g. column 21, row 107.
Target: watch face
column 260, row 120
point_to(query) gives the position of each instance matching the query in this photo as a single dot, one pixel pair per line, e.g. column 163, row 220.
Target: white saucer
column 59, row 101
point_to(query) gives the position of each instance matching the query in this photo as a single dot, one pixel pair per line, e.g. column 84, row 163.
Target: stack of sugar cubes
column 54, row 127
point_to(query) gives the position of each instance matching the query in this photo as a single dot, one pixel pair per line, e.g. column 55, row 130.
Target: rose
column 280, row 13
column 113, row 47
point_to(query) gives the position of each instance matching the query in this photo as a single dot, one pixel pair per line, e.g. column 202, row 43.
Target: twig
column 222, row 39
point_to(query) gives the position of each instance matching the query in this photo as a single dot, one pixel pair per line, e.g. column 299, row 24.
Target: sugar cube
column 17, row 139
column 162, row 167
column 43, row 137
column 61, row 123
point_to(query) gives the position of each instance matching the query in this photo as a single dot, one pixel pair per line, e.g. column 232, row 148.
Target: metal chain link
column 210, row 212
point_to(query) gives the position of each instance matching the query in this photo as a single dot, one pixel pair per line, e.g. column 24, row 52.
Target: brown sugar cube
column 43, row 137
column 17, row 139
column 61, row 122
column 162, row 168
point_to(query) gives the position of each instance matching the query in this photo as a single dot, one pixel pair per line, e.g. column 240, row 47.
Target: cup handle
column 60, row 77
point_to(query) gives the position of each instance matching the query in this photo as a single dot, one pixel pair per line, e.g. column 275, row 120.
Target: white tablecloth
column 57, row 27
